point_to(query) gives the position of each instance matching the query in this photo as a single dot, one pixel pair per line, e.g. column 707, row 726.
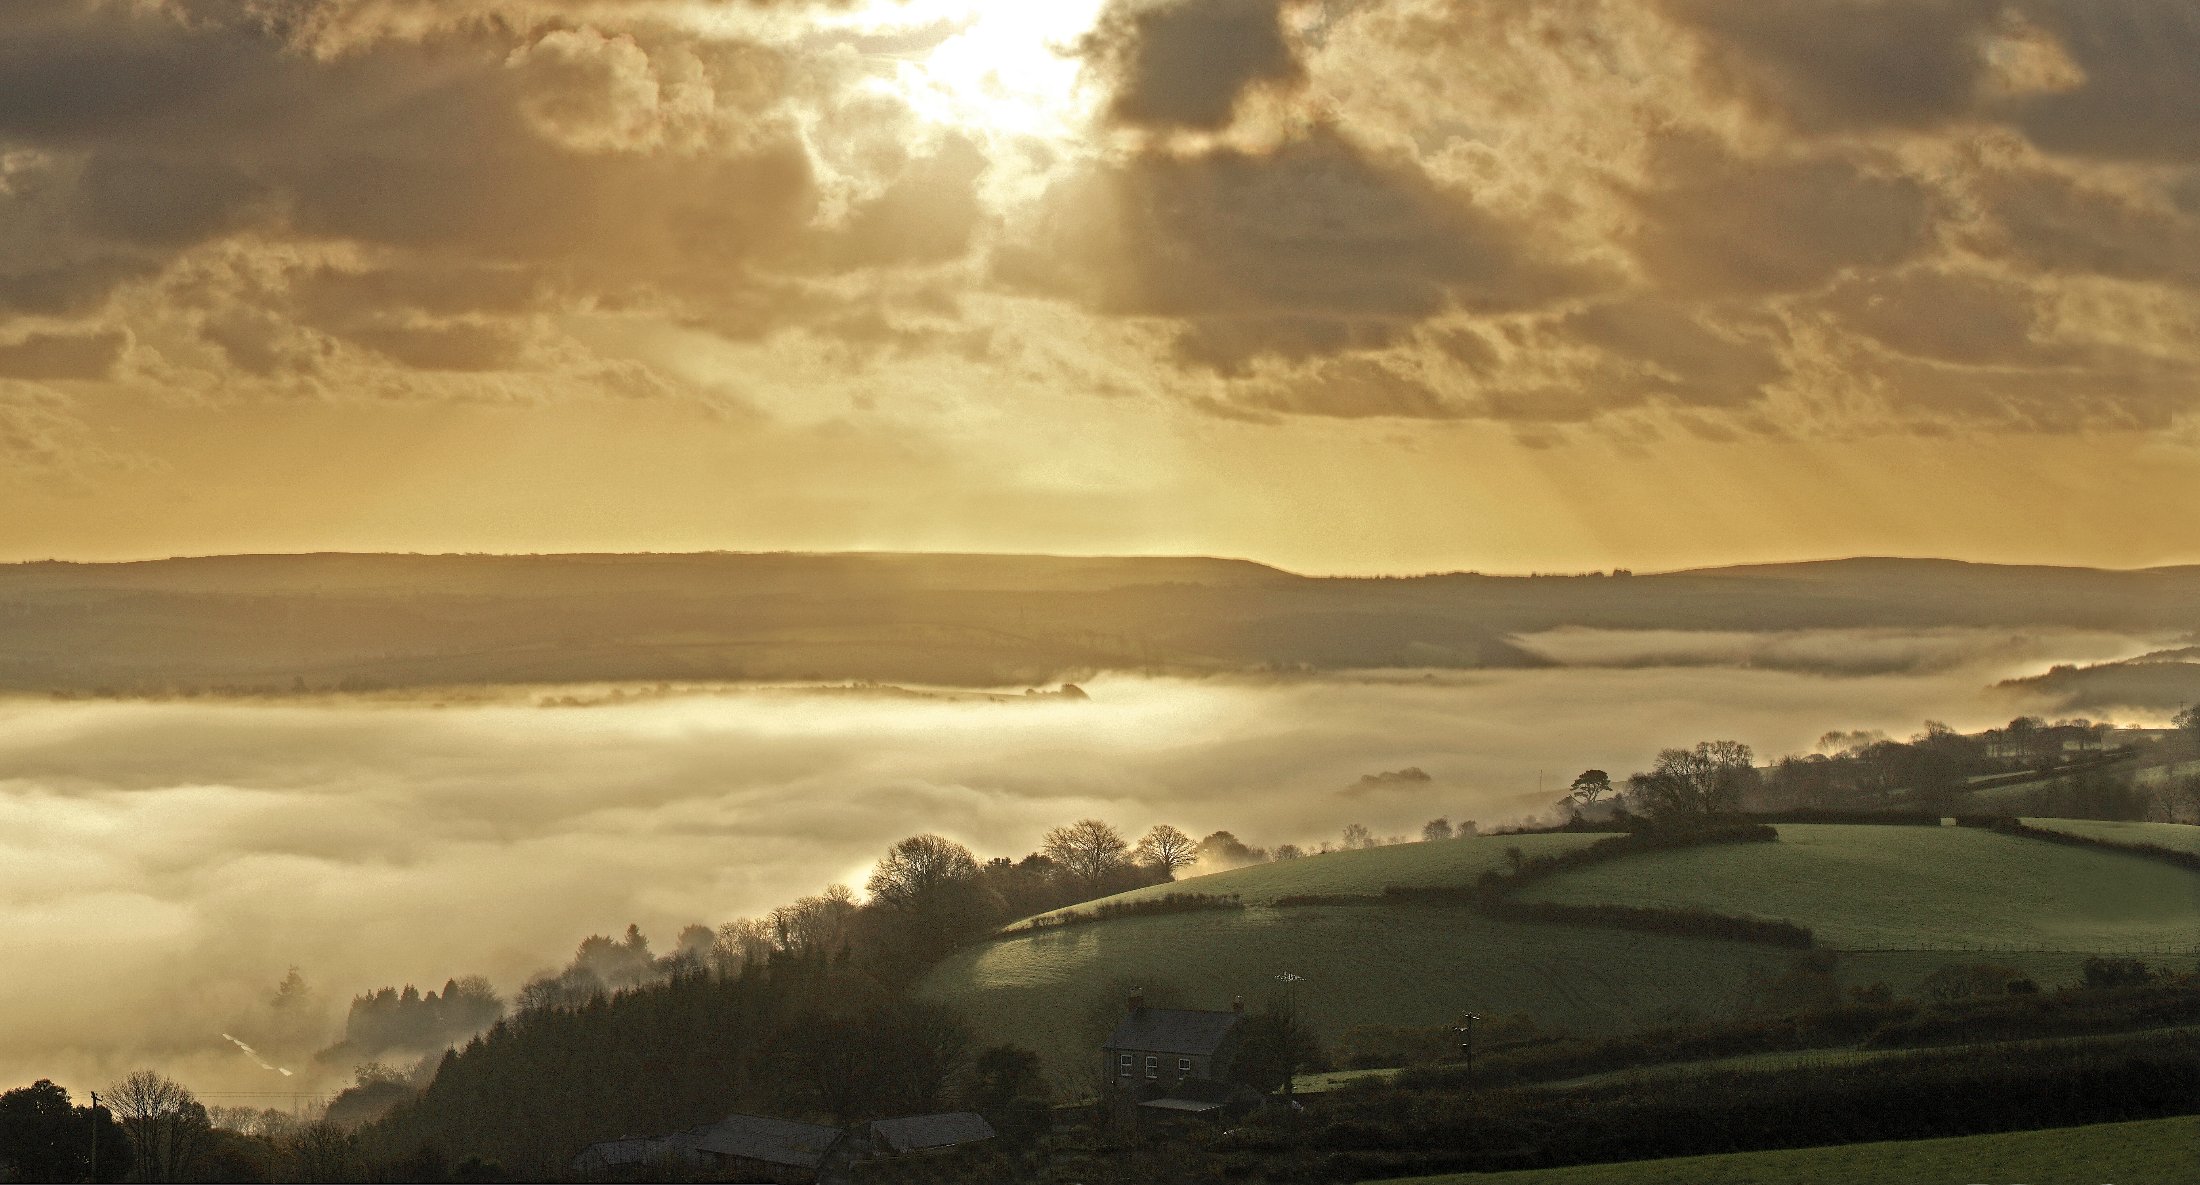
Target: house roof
column 1173, row 1030
column 1190, row 1106
column 919, row 1133
column 773, row 1141
column 622, row 1153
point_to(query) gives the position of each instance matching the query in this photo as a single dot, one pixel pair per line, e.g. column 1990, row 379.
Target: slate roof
column 625, row 1153
column 923, row 1133
column 772, row 1141
column 1173, row 1030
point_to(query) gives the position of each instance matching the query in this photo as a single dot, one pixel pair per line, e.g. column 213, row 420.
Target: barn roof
column 920, row 1133
column 1173, row 1030
column 772, row 1141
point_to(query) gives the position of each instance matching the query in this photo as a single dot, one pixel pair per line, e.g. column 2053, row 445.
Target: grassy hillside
column 1058, row 992
column 1370, row 870
column 1861, row 887
column 2182, row 837
column 2148, row 1152
column 1924, row 897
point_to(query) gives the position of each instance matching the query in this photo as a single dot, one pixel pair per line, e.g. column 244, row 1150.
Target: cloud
column 1834, row 64
column 1187, row 64
column 1315, row 247
column 1715, row 222
column 51, row 356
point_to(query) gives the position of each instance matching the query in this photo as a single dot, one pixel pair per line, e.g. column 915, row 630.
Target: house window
column 1123, row 1063
column 1183, row 1065
column 1153, row 1067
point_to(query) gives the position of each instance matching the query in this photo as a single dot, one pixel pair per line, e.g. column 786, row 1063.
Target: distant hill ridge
column 365, row 621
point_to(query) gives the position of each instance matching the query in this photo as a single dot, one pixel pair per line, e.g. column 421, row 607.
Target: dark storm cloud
column 1315, row 247
column 1188, row 63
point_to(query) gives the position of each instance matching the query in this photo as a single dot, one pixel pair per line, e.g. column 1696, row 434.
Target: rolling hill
column 270, row 623
column 1899, row 902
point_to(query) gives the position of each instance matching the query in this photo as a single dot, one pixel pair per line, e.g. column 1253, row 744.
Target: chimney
column 1237, row 1005
column 1138, row 1000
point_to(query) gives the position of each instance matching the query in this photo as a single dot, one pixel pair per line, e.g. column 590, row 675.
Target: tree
column 1593, row 784
column 1435, row 829
column 43, row 1137
column 2188, row 722
column 1356, row 835
column 167, row 1126
column 1002, row 1074
column 1167, row 849
column 918, row 866
column 1691, row 784
column 1224, row 850
column 1089, row 851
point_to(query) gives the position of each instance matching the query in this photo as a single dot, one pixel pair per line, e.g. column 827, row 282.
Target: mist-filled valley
column 165, row 863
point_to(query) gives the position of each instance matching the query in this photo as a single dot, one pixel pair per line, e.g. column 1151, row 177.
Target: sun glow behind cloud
column 992, row 69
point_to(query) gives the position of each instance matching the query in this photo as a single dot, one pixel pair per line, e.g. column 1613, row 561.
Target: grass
column 2183, row 837
column 1059, row 992
column 1806, row 1058
column 1905, row 888
column 2147, row 1152
column 1363, row 872
column 1913, row 899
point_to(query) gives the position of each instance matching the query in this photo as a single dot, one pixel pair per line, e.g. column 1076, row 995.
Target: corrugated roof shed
column 772, row 1141
column 1173, row 1030
column 924, row 1133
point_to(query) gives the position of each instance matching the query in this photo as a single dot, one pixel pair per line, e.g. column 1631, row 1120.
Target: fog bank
column 163, row 864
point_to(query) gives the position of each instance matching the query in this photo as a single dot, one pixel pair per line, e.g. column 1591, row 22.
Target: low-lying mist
column 162, row 865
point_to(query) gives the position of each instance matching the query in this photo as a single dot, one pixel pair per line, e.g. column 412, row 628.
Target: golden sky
column 1348, row 286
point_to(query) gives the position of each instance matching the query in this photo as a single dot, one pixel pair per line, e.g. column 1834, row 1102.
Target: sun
column 1000, row 67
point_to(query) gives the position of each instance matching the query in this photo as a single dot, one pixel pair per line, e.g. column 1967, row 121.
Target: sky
column 1341, row 285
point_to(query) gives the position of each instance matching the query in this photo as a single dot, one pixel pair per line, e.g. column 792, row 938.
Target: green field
column 1904, row 888
column 2183, row 837
column 1058, row 992
column 2148, row 1152
column 1900, row 902
column 1367, row 871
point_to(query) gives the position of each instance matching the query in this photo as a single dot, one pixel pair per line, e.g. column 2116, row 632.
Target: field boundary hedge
column 2009, row 825
column 1694, row 923
column 1167, row 903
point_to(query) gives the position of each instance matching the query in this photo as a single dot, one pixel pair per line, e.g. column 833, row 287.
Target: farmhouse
column 1158, row 1051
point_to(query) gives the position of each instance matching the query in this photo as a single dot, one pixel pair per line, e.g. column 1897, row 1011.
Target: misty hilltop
column 366, row 622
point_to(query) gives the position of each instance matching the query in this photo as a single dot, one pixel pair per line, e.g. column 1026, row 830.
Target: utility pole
column 95, row 1135
column 1466, row 1044
column 1290, row 1031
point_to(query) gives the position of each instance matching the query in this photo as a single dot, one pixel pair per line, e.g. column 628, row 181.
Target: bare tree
column 1089, row 850
column 917, row 866
column 167, row 1126
column 1356, row 835
column 1693, row 783
column 1166, row 848
column 1435, row 829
